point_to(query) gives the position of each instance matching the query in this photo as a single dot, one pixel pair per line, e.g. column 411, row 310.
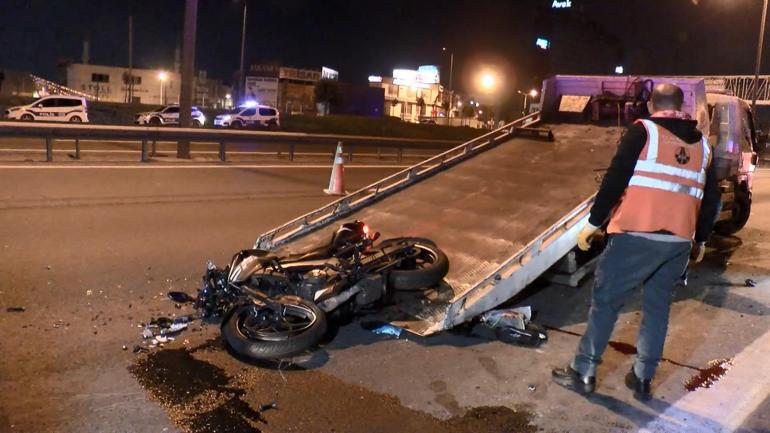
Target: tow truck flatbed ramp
column 504, row 207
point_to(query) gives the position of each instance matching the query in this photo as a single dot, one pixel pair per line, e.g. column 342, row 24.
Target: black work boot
column 572, row 380
column 642, row 388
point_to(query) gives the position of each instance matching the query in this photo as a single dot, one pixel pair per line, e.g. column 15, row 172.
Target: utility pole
column 188, row 73
column 451, row 73
column 760, row 43
column 130, row 59
column 242, row 73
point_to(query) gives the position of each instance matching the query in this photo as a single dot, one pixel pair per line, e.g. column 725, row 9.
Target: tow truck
column 506, row 206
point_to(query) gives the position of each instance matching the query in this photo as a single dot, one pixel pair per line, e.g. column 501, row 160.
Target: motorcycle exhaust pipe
column 335, row 301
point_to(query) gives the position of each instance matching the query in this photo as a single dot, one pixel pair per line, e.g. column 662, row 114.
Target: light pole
column 451, row 71
column 242, row 73
column 760, row 43
column 531, row 94
column 162, row 78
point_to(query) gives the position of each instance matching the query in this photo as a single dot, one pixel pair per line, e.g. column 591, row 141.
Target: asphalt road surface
column 89, row 253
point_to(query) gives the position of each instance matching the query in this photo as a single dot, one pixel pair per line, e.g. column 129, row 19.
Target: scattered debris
column 531, row 388
column 181, row 297
column 266, row 407
column 512, row 325
column 160, row 329
column 138, row 348
column 750, row 283
column 388, row 330
column 15, row 309
column 125, row 347
column 89, row 292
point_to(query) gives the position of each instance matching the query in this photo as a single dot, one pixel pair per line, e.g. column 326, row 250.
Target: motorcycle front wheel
column 260, row 333
column 426, row 265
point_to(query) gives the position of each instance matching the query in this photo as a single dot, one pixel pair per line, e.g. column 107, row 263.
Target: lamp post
column 760, row 43
column 162, row 78
column 531, row 94
column 451, row 72
column 242, row 73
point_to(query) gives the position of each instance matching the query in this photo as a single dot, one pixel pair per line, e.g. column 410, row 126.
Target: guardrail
column 389, row 185
column 151, row 135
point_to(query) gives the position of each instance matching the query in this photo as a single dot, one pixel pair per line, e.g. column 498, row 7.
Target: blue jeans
column 629, row 262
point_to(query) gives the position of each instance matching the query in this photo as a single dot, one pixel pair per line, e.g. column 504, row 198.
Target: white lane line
column 181, row 166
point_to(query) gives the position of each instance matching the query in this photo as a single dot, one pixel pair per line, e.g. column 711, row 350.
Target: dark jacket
column 622, row 168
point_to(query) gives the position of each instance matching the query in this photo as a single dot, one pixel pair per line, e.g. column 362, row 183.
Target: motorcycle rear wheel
column 301, row 328
column 427, row 269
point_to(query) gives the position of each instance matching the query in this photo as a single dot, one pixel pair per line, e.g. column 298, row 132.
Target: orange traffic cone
column 336, row 182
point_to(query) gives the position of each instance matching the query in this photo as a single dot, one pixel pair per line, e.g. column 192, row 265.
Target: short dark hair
column 667, row 96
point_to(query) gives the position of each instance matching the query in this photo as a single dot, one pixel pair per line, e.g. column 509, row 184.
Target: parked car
column 249, row 116
column 55, row 108
column 168, row 115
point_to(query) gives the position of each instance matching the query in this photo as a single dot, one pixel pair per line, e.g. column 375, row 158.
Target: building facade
column 290, row 90
column 150, row 86
column 411, row 100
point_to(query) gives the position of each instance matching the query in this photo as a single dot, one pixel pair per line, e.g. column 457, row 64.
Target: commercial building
column 150, row 86
column 290, row 90
column 413, row 94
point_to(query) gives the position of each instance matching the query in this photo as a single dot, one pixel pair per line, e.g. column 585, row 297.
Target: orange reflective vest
column 665, row 191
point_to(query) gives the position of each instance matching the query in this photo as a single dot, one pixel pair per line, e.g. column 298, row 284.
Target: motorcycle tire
column 428, row 274
column 247, row 344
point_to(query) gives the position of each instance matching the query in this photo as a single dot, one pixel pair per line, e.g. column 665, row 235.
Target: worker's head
column 666, row 96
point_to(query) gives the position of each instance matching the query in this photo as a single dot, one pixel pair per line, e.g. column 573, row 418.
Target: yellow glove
column 697, row 252
column 584, row 237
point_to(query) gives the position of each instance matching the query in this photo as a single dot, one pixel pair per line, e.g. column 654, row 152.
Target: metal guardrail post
column 400, row 153
column 154, row 150
column 379, row 152
column 77, row 148
column 222, row 151
column 143, row 157
column 291, row 152
column 350, row 153
column 49, row 149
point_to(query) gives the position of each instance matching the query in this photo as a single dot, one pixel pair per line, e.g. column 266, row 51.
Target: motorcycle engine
column 313, row 282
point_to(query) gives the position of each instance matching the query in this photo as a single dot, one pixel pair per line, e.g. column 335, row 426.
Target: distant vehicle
column 168, row 115
column 427, row 121
column 55, row 108
column 249, row 115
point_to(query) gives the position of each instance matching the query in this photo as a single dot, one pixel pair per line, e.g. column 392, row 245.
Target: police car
column 249, row 115
column 56, row 108
column 168, row 115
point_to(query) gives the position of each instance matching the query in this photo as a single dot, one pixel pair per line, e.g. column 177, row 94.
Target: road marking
column 197, row 166
column 213, row 152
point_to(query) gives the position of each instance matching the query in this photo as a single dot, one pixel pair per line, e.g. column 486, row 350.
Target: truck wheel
column 741, row 209
column 154, row 121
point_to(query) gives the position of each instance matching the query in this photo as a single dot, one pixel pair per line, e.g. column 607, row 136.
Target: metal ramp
column 504, row 207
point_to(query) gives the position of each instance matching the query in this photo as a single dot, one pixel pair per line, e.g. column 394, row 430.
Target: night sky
column 360, row 37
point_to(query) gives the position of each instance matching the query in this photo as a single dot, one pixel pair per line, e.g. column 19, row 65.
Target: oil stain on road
column 205, row 390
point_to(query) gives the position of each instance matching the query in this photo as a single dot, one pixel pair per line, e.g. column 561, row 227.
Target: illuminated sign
column 563, row 4
column 375, row 79
column 329, row 73
column 423, row 77
column 618, row 69
column 543, row 43
column 428, row 74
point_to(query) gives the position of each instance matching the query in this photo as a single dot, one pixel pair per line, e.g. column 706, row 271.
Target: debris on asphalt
column 531, row 388
column 160, row 330
column 181, row 297
column 89, row 292
column 512, row 325
column 125, row 347
column 138, row 348
column 388, row 330
column 15, row 309
column 750, row 283
column 266, row 407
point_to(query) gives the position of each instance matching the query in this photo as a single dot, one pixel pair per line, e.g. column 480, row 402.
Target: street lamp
column 531, row 94
column 451, row 71
column 162, row 76
column 488, row 82
column 241, row 74
column 760, row 43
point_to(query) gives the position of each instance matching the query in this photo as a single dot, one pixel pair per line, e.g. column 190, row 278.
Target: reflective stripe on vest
column 651, row 164
column 649, row 182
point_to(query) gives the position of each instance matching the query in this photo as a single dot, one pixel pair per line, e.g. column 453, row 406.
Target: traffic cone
column 336, row 182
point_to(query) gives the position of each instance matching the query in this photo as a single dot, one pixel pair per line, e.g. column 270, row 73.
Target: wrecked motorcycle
column 276, row 306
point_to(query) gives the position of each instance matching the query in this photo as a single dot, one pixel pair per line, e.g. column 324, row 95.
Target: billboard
column 423, row 77
column 263, row 90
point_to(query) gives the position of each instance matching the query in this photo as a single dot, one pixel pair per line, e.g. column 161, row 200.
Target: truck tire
column 428, row 271
column 741, row 209
column 264, row 346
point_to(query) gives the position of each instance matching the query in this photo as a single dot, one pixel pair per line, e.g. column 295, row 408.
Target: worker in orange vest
column 660, row 198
